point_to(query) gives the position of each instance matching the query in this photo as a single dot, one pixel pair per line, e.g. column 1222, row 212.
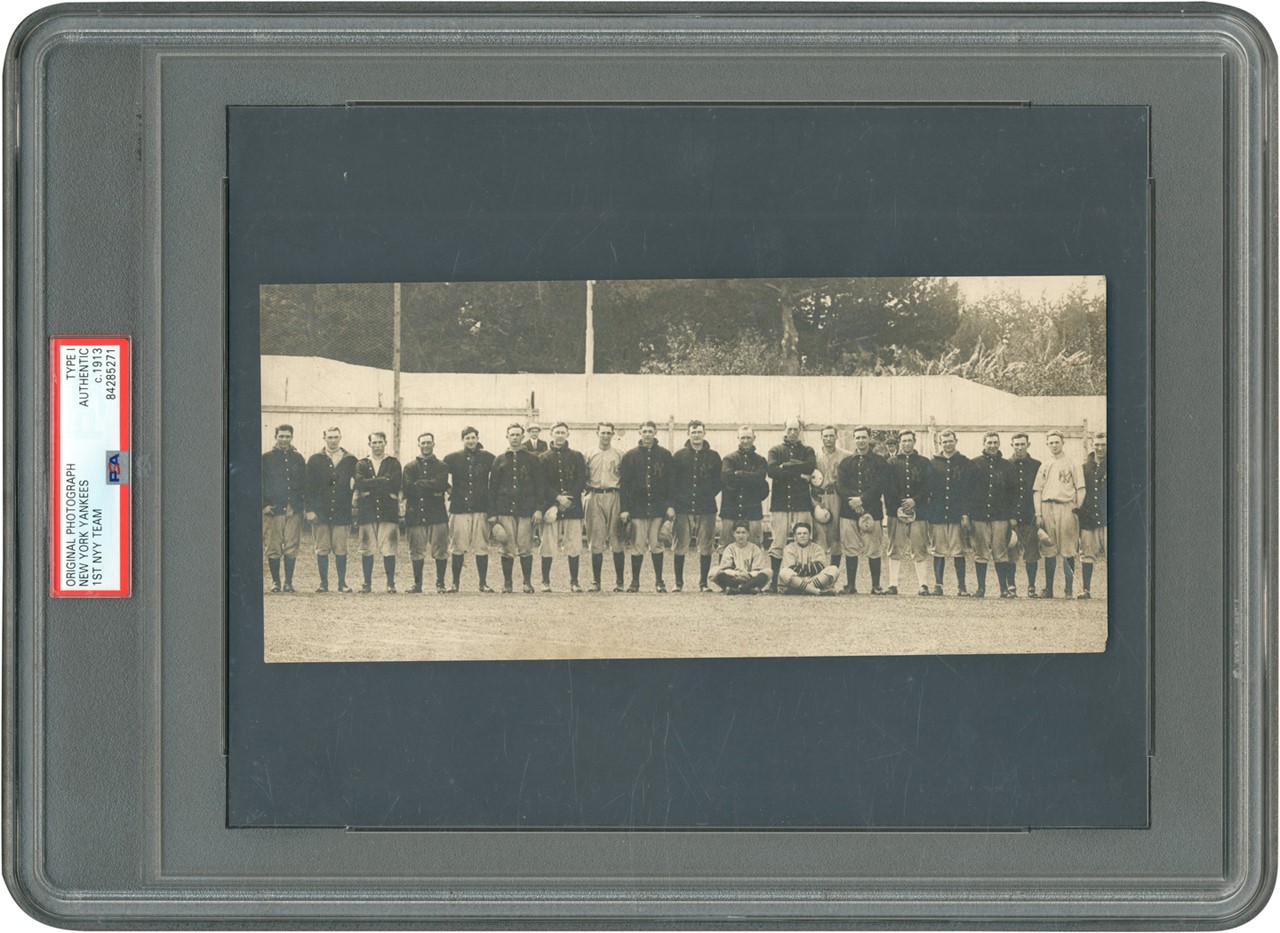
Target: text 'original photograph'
column 710, row 468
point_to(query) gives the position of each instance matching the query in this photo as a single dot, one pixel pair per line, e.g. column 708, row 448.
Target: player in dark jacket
column 992, row 505
column 791, row 465
column 283, row 498
column 378, row 479
column 330, row 483
column 906, row 502
column 1024, row 468
column 564, row 478
column 745, row 484
column 469, row 470
column 645, row 480
column 1093, row 511
column 515, row 502
column 947, row 501
column 860, row 483
column 695, row 483
column 426, row 521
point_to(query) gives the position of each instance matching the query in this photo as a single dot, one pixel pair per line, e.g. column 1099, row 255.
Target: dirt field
column 469, row 625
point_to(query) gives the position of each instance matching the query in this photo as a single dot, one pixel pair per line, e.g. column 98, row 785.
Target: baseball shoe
column 678, row 588
column 1084, row 594
column 1013, row 592
column 574, row 588
column 891, row 591
column 633, row 588
column 288, row 588
column 876, row 591
column 528, row 588
column 343, row 588
column 1004, row 594
column 979, row 593
column 1067, row 593
column 275, row 587
column 451, row 588
column 732, row 590
column 937, row 589
column 962, row 592
column 546, row 588
column 366, row 588
column 660, row 588
column 924, row 591
column 849, row 590
column 391, row 588
column 594, row 587
column 618, row 588
column 506, row 588
column 1046, row 594
column 830, row 591
column 703, row 588
column 416, row 588
column 1031, row 593
column 485, row 588
column 441, row 589
column 322, row 589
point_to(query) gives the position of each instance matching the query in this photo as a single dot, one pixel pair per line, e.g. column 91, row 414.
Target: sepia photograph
column 563, row 470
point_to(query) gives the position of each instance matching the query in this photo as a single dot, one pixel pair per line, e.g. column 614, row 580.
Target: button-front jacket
column 515, row 484
column 695, row 479
column 426, row 480
column 469, row 480
column 1093, row 513
column 862, row 475
column 1024, row 474
column 564, row 473
column 908, row 479
column 329, row 487
column 378, row 491
column 790, row 488
column 744, row 478
column 992, row 489
column 283, row 480
column 537, row 447
column 645, row 478
column 947, row 492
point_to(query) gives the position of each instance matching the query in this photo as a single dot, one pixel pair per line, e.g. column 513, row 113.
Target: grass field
column 308, row 626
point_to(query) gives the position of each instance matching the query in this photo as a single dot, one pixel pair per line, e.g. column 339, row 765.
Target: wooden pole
column 397, row 403
column 591, row 327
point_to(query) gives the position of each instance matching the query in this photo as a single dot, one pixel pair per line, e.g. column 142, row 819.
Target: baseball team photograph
column 684, row 468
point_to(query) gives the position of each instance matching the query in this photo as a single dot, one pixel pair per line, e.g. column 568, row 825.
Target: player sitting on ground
column 804, row 565
column 743, row 566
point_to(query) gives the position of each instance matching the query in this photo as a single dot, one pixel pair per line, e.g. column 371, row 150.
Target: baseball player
column 533, row 442
column 906, row 499
column 744, row 479
column 515, row 503
column 695, row 483
column 564, row 478
column 283, row 499
column 1027, row 550
column 330, row 483
column 603, row 507
column 378, row 481
column 644, row 477
column 791, row 465
column 469, row 470
column 993, row 499
column 1093, row 511
column 742, row 567
column 860, row 481
column 804, row 565
column 947, row 500
column 828, row 457
column 426, row 521
column 1059, row 490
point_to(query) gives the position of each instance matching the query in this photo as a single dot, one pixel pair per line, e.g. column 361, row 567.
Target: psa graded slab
column 615, row 467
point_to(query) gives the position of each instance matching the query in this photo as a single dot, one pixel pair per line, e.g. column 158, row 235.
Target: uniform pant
column 991, row 542
column 698, row 531
column 755, row 531
column 780, row 524
column 331, row 539
column 469, row 533
column 562, row 537
column 859, row 543
column 827, row 536
column 1063, row 527
column 727, row 578
column 519, row 530
column 1093, row 544
column 281, row 534
column 645, row 531
column 379, row 539
column 824, row 579
column 945, row 540
column 429, row 541
column 604, row 528
column 908, row 540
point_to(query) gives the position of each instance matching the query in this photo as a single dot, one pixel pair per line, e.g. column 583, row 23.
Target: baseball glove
column 1013, row 539
column 906, row 515
column 499, row 533
column 821, row 514
column 1043, row 537
column 816, row 479
column 664, row 534
column 550, row 515
column 867, row 522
